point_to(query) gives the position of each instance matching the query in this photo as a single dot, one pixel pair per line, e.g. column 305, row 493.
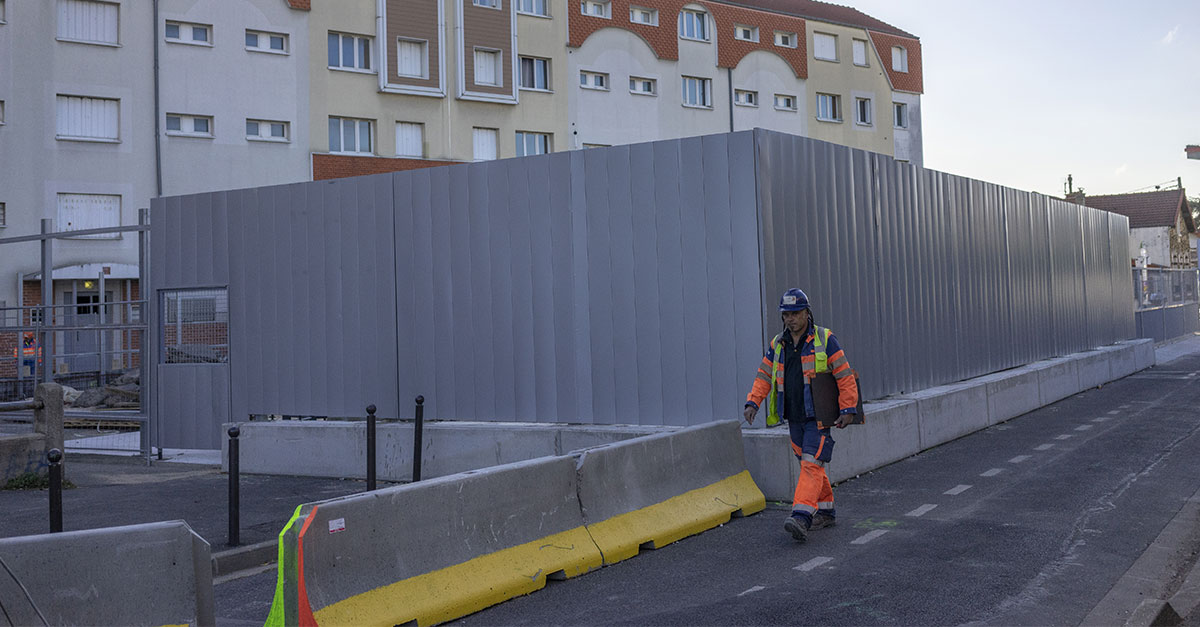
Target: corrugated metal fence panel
column 1124, row 325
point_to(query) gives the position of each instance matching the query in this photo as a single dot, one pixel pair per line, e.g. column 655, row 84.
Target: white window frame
column 424, row 44
column 635, row 11
column 699, row 20
column 3, row 207
column 742, row 32
column 859, row 118
column 588, row 80
column 857, row 46
column 187, row 122
column 900, row 115
column 488, row 4
column 533, row 6
column 779, row 39
column 835, row 106
column 190, row 41
column 61, row 9
column 1, row 113
column 358, row 122
column 635, row 85
column 785, row 98
column 267, row 35
column 544, row 74
column 68, row 101
column 900, row 61
column 420, row 128
column 493, row 134
column 819, row 37
column 64, row 224
column 266, row 131
column 703, row 92
column 745, row 98
column 356, row 61
column 5, row 21
column 543, row 143
column 588, row 7
column 497, row 66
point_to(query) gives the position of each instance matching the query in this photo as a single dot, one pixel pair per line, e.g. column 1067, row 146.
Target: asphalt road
column 1031, row 522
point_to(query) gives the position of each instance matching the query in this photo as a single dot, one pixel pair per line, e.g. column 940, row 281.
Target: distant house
column 1161, row 222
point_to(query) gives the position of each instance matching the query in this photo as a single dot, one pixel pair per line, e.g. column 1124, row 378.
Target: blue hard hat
column 793, row 300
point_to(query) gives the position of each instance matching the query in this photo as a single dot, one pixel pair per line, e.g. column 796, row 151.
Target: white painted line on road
column 992, row 473
column 1083, row 427
column 867, row 537
column 922, row 510
column 958, row 489
column 1102, row 419
column 1019, row 458
column 754, row 589
column 1065, row 436
column 1116, row 411
column 1043, row 447
column 813, row 563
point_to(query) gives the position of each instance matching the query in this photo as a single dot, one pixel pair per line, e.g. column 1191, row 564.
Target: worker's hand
column 749, row 414
column 844, row 420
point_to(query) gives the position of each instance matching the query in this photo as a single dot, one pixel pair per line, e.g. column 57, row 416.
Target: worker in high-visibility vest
column 791, row 361
column 29, row 350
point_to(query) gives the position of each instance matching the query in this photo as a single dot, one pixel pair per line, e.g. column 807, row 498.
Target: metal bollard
column 418, row 428
column 370, row 447
column 55, row 456
column 235, row 508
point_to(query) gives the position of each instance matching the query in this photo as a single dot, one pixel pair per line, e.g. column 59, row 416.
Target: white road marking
column 992, row 473
column 1019, row 458
column 1126, row 406
column 867, row 537
column 958, row 489
column 1116, row 411
column 813, row 563
column 922, row 510
column 1083, row 427
column 1102, row 419
column 1043, row 447
column 1065, row 436
column 754, row 589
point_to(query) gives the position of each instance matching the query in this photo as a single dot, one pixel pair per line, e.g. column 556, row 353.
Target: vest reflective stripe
column 774, row 398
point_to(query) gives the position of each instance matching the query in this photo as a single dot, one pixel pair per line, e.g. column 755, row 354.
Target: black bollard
column 370, row 447
column 418, row 428
column 54, row 456
column 235, row 509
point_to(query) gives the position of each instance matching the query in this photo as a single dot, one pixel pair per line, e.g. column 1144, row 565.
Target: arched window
column 693, row 24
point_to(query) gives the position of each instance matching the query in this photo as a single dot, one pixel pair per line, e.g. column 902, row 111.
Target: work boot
column 797, row 528
column 820, row 521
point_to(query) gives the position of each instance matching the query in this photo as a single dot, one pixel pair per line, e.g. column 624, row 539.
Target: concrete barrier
column 149, row 574
column 1008, row 393
column 26, row 452
column 1057, row 379
column 656, row 489
column 950, row 411
column 1094, row 368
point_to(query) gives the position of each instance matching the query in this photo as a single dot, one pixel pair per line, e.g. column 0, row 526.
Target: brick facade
column 731, row 51
column 909, row 81
column 662, row 39
column 340, row 166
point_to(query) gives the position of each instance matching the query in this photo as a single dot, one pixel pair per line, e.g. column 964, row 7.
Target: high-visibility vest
column 775, row 397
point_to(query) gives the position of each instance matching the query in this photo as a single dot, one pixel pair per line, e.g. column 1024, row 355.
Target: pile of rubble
column 124, row 391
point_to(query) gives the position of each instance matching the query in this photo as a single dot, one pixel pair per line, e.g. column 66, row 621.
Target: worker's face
column 795, row 321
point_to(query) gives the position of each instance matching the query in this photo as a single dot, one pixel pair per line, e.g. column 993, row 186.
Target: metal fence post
column 55, row 456
column 235, row 513
column 370, row 447
column 45, row 338
column 418, row 436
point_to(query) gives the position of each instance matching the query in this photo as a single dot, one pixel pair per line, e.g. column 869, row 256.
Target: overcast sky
column 1024, row 92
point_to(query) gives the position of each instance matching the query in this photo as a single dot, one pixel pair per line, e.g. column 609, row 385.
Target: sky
column 1024, row 92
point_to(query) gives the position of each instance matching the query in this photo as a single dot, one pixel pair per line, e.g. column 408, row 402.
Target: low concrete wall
column 151, row 574
column 25, row 453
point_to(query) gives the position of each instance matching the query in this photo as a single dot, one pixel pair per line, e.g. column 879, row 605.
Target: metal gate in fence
column 1166, row 302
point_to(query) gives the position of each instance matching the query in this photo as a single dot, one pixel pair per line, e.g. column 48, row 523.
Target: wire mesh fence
column 1164, row 287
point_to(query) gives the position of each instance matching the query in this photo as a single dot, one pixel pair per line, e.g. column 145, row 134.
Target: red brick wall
column 327, row 166
column 663, row 39
column 731, row 51
column 911, row 80
column 303, row 5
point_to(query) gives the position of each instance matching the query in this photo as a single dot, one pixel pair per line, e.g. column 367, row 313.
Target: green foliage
column 34, row 481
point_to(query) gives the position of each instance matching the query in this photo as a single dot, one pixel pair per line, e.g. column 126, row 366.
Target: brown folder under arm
column 825, row 400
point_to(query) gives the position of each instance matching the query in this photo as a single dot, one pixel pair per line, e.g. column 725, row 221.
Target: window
column 350, row 52
column 266, row 130
column 87, row 119
column 535, row 73
column 260, row 41
column 900, row 59
column 860, row 52
column 350, row 135
column 784, row 102
column 412, row 58
column 189, row 125
column 486, row 142
column 532, row 143
column 1, row 113
column 829, row 107
column 88, row 22
column 697, row 92
column 532, row 7
column 596, row 8
column 643, row 86
column 745, row 33
column 195, row 326
column 825, row 47
column 187, row 33
column 3, row 215
column 487, row 67
column 745, row 98
column 642, row 15
column 2, row 20
column 410, row 139
column 862, row 111
column 489, row 4
column 77, row 212
column 693, row 25
column 594, row 80
column 787, row 40
column 899, row 115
